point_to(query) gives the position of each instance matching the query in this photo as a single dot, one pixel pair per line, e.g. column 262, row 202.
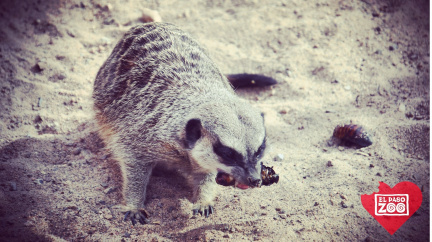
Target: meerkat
column 160, row 99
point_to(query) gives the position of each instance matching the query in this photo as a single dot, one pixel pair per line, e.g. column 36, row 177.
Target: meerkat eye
column 228, row 155
column 260, row 150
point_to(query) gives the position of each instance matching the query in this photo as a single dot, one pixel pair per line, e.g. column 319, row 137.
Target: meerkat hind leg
column 136, row 176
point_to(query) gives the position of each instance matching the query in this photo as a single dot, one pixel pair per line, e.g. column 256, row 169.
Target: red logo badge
column 392, row 207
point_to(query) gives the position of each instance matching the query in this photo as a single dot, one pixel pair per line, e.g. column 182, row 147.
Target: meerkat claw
column 195, row 211
column 126, row 215
column 140, row 215
column 208, row 211
column 144, row 213
column 143, row 219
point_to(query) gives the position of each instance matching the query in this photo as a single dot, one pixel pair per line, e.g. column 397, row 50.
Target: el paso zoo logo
column 391, row 205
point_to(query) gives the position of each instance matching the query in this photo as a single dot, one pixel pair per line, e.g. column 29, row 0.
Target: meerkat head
column 228, row 138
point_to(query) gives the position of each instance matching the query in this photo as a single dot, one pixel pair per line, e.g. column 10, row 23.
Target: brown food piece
column 225, row 179
column 268, row 177
column 352, row 133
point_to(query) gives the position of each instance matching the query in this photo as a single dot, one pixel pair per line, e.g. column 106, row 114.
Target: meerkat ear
column 193, row 132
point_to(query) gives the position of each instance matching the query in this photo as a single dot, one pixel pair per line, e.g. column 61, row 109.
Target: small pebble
column 283, row 216
column 40, row 66
column 38, row 181
column 108, row 7
column 227, row 236
column 71, row 206
column 316, row 204
column 105, row 41
column 77, row 151
column 329, row 163
column 341, row 148
column 61, row 77
column 28, row 223
column 38, row 119
column 150, row 16
column 279, row 157
column 126, row 235
column 12, row 186
column 347, row 87
column 109, row 190
column 108, row 216
column 413, row 56
column 344, row 205
column 71, row 33
column 402, row 108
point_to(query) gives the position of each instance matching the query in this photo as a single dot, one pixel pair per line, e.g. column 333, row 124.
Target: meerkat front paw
column 134, row 214
column 204, row 194
column 203, row 209
column 139, row 214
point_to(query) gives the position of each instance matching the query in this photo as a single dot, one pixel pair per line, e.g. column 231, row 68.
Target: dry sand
column 336, row 62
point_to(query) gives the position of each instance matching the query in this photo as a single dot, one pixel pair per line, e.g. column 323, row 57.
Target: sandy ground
column 365, row 62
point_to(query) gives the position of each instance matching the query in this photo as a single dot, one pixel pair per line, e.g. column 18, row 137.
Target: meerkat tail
column 250, row 80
